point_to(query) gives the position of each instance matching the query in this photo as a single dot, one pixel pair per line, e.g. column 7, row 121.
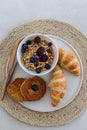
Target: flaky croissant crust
column 57, row 85
column 69, row 61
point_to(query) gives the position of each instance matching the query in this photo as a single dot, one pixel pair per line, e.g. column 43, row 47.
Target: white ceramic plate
column 73, row 84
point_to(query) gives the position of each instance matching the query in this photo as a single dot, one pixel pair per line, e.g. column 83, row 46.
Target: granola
column 37, row 54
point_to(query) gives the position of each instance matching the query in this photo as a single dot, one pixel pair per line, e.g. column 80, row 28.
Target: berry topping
column 44, row 58
column 34, row 87
column 36, row 57
column 37, row 39
column 24, row 46
column 28, row 42
column 47, row 66
column 40, row 51
column 49, row 43
column 36, row 63
column 32, row 59
column 38, row 70
column 48, row 50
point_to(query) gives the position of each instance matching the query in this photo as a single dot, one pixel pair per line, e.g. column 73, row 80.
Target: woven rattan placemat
column 78, row 41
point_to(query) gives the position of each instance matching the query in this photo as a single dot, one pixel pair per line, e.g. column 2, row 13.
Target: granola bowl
column 37, row 54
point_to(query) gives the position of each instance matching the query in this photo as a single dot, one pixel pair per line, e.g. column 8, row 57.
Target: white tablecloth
column 16, row 12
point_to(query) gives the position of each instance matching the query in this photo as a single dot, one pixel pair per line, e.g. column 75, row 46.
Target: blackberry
column 37, row 39
column 40, row 51
column 44, row 58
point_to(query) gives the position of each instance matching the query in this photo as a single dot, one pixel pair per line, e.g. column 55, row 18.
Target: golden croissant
column 57, row 85
column 69, row 61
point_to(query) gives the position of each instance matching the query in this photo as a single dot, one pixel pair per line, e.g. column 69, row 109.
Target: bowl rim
column 33, row 72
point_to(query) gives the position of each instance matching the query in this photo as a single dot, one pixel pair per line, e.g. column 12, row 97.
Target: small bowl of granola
column 37, row 54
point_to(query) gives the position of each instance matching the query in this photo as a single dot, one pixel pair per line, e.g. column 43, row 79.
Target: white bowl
column 55, row 49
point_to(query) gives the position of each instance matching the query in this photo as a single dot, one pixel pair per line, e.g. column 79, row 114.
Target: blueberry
column 24, row 46
column 38, row 70
column 28, row 42
column 36, row 63
column 36, row 57
column 22, row 50
column 47, row 66
column 44, row 58
column 32, row 59
column 37, row 39
column 34, row 87
column 49, row 43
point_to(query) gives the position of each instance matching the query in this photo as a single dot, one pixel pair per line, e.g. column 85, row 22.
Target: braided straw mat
column 78, row 41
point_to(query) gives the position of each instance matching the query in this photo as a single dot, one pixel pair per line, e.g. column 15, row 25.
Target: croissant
column 57, row 85
column 69, row 61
